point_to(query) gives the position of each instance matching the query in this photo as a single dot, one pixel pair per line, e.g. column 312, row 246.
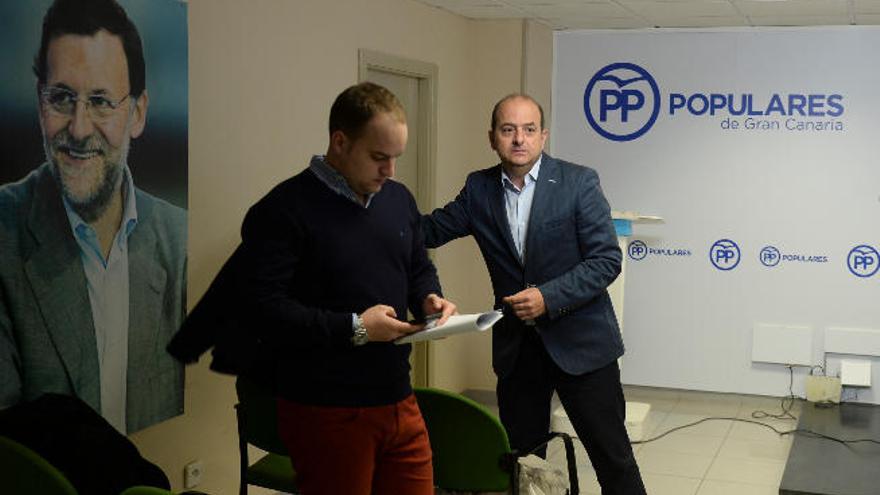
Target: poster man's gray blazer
column 47, row 338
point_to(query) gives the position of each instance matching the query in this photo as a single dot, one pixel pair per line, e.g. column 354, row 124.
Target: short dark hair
column 87, row 17
column 355, row 106
column 514, row 96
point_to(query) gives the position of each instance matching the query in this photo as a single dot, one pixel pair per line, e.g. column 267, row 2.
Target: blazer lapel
column 146, row 282
column 499, row 211
column 54, row 270
column 549, row 183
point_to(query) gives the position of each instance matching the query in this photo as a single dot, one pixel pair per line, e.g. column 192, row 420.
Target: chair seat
column 273, row 471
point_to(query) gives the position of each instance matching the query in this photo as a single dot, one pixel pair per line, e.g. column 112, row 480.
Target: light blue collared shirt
column 108, row 285
column 518, row 203
column 334, row 180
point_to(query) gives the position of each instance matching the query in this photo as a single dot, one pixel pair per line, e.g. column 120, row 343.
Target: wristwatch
column 359, row 335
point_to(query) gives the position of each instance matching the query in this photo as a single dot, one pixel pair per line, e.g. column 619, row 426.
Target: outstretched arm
column 447, row 223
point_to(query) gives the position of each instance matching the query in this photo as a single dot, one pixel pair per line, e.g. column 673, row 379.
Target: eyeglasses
column 63, row 102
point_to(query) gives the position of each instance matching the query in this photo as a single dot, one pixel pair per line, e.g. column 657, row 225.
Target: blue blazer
column 571, row 255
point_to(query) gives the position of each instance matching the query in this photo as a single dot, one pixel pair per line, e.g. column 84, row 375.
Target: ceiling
column 634, row 14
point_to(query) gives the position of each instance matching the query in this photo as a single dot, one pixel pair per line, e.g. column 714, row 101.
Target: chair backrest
column 258, row 416
column 23, row 471
column 469, row 443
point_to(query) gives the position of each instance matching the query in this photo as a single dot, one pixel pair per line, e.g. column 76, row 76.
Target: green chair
column 471, row 450
column 258, row 426
column 23, row 471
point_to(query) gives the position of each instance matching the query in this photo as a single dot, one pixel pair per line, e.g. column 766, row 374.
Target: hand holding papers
column 454, row 325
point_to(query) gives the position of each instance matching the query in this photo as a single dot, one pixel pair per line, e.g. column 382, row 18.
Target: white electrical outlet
column 192, row 474
column 856, row 373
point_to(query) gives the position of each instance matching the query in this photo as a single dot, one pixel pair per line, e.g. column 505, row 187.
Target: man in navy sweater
column 332, row 260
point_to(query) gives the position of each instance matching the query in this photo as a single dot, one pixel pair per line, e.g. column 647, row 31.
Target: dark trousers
column 593, row 401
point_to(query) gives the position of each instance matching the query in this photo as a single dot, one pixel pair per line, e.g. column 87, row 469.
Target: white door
column 406, row 89
column 408, row 169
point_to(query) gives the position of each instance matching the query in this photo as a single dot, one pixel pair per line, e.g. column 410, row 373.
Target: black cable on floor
column 785, row 415
column 786, row 410
column 780, row 433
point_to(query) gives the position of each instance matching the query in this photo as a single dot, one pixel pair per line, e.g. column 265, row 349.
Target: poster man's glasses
column 63, row 102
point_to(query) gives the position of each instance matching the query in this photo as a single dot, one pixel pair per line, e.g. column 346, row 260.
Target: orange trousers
column 382, row 450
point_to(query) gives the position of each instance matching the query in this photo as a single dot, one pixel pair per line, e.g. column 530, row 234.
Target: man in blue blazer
column 545, row 231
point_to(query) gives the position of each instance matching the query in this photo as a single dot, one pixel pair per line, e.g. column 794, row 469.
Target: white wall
column 688, row 324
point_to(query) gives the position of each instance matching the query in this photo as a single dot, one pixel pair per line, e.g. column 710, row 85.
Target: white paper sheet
column 456, row 324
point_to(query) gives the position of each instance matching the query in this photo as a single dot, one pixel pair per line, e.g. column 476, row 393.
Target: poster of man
column 92, row 204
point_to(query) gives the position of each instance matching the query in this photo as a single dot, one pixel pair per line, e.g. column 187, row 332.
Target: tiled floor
column 716, row 457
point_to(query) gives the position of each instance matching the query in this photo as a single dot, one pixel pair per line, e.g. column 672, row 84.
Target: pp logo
column 637, row 250
column 724, row 254
column 863, row 261
column 769, row 256
column 622, row 101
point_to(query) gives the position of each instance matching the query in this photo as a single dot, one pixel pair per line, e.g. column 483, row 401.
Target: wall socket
column 192, row 474
column 856, row 373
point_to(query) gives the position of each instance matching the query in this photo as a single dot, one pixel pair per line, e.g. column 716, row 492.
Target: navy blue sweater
column 312, row 258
